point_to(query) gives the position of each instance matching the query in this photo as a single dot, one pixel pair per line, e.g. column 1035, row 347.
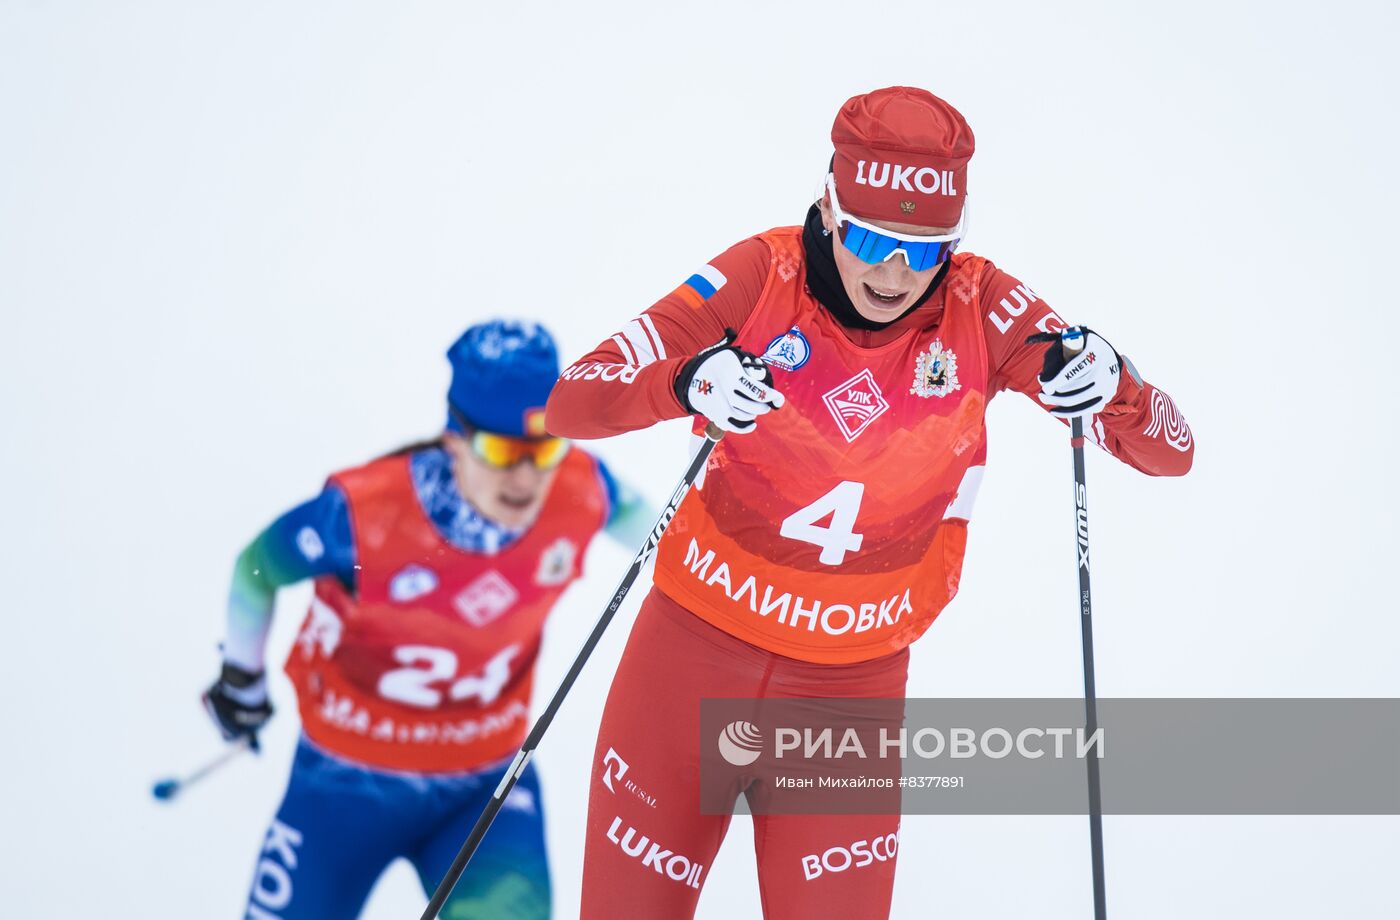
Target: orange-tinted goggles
column 504, row 451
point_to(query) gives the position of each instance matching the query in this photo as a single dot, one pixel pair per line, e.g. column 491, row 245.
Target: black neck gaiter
column 824, row 280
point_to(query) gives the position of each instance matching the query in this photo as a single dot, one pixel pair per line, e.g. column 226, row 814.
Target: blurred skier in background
column 851, row 359
column 435, row 568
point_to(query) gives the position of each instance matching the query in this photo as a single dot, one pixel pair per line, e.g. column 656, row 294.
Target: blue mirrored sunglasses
column 874, row 245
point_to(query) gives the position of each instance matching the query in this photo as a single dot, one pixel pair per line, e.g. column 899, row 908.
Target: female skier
column 825, row 537
column 435, row 568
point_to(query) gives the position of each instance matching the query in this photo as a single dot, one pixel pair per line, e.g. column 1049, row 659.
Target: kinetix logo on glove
column 759, row 393
column 1081, row 365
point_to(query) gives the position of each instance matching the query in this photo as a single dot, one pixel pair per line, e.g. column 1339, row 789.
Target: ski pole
column 532, row 741
column 1073, row 342
column 167, row 789
column 1086, row 636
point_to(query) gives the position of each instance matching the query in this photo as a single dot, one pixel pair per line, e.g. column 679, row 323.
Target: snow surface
column 235, row 240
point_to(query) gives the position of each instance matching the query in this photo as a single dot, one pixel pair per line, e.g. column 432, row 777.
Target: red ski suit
column 812, row 553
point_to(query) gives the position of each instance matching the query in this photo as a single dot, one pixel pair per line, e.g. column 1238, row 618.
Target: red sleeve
column 1140, row 426
column 628, row 381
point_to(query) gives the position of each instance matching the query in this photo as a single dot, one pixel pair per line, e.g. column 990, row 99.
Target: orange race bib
column 835, row 531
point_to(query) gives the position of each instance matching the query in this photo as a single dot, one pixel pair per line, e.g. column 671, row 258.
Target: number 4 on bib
column 839, row 537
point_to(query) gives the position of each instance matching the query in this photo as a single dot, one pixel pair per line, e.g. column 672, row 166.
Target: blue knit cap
column 502, row 372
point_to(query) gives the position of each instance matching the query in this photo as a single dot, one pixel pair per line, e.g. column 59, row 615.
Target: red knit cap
column 901, row 156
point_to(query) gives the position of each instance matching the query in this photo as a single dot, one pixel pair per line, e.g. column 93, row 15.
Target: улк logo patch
column 486, row 599
column 935, row 372
column 855, row 404
column 789, row 351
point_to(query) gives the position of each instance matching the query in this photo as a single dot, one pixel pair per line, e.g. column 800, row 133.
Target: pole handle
column 1071, row 339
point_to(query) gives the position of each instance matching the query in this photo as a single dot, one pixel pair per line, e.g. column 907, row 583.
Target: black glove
column 729, row 386
column 238, row 704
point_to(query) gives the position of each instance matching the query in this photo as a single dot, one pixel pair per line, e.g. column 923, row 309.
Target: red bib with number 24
column 427, row 665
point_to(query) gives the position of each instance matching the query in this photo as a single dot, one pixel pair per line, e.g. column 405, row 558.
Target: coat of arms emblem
column 935, row 372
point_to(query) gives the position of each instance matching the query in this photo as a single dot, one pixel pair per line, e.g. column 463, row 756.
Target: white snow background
column 235, row 239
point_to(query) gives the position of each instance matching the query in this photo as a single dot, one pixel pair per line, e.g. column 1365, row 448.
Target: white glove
column 729, row 386
column 1080, row 374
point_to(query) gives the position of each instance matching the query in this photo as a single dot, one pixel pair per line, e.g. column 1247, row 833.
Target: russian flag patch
column 701, row 286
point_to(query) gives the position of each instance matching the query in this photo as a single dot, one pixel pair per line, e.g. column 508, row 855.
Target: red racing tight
column 649, row 848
